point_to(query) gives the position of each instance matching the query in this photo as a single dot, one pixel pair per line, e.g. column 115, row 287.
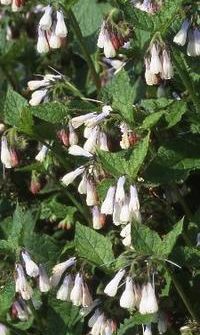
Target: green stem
column 180, row 65
column 183, row 296
column 80, row 207
column 77, row 31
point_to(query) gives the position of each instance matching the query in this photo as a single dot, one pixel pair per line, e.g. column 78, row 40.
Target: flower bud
column 35, row 84
column 40, row 157
column 5, row 153
column 181, row 37
column 98, row 219
column 76, row 150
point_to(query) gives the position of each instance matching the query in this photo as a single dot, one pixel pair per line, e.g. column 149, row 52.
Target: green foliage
column 94, row 247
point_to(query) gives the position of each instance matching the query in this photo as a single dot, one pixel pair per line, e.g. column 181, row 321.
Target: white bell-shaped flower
column 42, row 42
column 151, row 78
column 87, row 298
column 108, row 203
column 21, row 284
column 116, row 213
column 108, row 48
column 197, row 41
column 6, row 2
column 6, row 158
column 59, row 269
column 61, row 28
column 37, row 97
column 35, row 84
column 80, row 120
column 71, row 176
column 102, row 36
column 31, row 267
column 40, row 157
column 44, row 282
column 125, row 214
column 120, row 192
column 181, row 37
column 73, row 138
column 76, row 295
column 148, row 303
column 147, row 330
column 127, row 299
column 112, row 287
column 102, row 141
column 162, row 323
column 21, row 310
column 90, row 144
column 97, row 218
column 76, row 150
column 91, row 195
column 46, row 19
column 155, row 63
column 65, row 289
column 54, row 40
column 98, row 325
column 191, row 50
column 94, row 318
column 167, row 68
column 82, row 187
column 126, row 234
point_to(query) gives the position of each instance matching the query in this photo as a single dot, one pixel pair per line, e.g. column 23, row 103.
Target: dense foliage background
column 52, row 221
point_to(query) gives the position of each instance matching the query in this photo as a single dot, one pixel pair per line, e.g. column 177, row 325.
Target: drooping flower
column 46, row 19
column 61, row 28
column 21, row 284
column 37, row 97
column 55, row 41
column 155, row 62
column 181, row 37
column 112, row 287
column 108, row 203
column 65, row 289
column 120, row 192
column 31, row 267
column 76, row 150
column 86, row 298
column 91, row 193
column 126, row 235
column 147, row 329
column 71, row 176
column 20, row 310
column 76, row 295
column 6, row 158
column 40, row 157
column 44, row 282
column 167, row 68
column 127, row 299
column 148, row 303
column 98, row 219
column 59, row 269
column 42, row 42
column 3, row 329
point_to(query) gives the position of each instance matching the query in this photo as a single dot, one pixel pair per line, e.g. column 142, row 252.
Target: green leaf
column 175, row 112
column 63, row 318
column 126, row 328
column 18, row 221
column 94, row 247
column 169, row 240
column 53, row 112
column 137, row 157
column 15, row 113
column 151, row 120
column 174, row 161
column 7, row 294
column 124, row 162
column 145, row 241
column 122, row 95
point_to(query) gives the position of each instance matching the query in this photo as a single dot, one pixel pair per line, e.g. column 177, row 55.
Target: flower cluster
column 192, row 35
column 41, row 87
column 99, row 324
column 123, row 206
column 110, row 40
column 158, row 65
column 16, row 5
column 72, row 289
column 52, row 30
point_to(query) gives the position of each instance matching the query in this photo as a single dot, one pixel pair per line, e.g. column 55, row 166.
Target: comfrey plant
column 99, row 201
